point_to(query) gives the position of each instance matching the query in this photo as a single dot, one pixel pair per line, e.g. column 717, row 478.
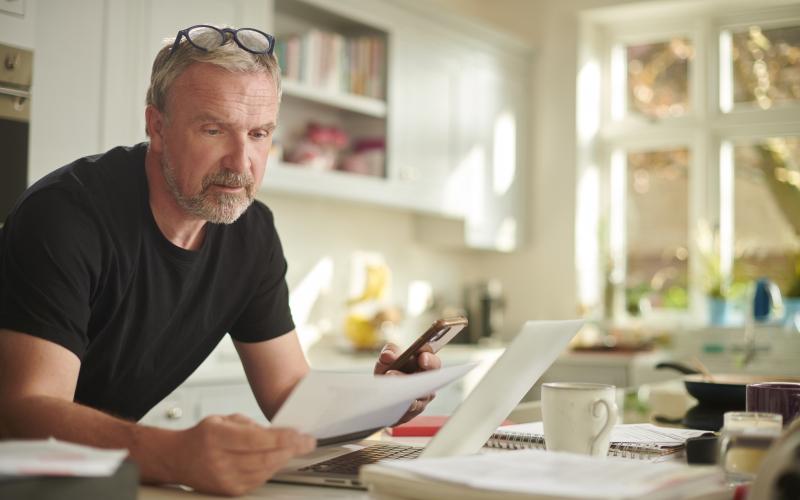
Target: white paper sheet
column 57, row 458
column 328, row 404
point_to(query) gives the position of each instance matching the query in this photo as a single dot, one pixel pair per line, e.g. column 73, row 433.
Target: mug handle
column 611, row 418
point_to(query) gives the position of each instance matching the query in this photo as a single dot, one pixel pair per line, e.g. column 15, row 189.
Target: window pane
column 767, row 212
column 658, row 78
column 766, row 65
column 657, row 230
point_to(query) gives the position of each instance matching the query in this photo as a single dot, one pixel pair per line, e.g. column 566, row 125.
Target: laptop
column 531, row 352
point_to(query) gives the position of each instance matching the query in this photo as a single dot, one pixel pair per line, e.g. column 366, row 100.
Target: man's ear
column 154, row 120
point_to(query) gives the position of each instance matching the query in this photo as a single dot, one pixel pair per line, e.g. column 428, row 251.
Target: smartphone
column 440, row 333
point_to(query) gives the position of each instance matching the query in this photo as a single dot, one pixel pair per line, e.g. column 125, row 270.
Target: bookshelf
column 446, row 103
column 334, row 109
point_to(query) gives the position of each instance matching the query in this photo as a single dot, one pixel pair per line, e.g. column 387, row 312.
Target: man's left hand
column 423, row 361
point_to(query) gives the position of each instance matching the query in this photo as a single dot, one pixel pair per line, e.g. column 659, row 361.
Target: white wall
column 312, row 229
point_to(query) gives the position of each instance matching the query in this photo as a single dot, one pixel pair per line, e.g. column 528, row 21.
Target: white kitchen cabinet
column 196, row 399
column 455, row 126
column 491, row 138
column 219, row 386
column 422, row 117
column 176, row 411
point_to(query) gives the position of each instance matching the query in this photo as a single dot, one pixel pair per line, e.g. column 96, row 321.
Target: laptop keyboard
column 349, row 463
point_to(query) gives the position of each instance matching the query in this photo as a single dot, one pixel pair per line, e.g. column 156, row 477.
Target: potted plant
column 714, row 284
column 779, row 169
column 791, row 300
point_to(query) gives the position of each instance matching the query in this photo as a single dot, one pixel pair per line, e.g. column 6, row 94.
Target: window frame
column 703, row 130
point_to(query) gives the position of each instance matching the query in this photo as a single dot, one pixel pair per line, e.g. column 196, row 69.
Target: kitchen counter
column 219, row 386
column 224, row 366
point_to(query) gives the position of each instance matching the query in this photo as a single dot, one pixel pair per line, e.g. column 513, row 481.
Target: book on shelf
column 540, row 475
column 334, row 62
column 637, row 441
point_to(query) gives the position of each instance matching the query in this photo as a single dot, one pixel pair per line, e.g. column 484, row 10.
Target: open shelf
column 282, row 177
column 349, row 102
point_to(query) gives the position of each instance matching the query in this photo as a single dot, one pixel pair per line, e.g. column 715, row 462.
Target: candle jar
column 744, row 440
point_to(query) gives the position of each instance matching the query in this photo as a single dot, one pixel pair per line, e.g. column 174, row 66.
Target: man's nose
column 237, row 158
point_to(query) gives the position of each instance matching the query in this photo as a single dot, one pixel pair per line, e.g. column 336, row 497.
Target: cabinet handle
column 174, row 413
column 12, row 61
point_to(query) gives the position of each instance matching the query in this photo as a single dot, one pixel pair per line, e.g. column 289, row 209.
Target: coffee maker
column 484, row 304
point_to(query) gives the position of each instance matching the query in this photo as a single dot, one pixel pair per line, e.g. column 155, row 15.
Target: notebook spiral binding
column 524, row 441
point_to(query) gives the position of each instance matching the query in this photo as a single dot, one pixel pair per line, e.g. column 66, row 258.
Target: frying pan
column 724, row 390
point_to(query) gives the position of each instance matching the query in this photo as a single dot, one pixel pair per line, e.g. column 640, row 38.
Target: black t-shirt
column 83, row 264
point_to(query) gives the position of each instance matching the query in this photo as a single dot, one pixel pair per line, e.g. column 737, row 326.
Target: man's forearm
column 38, row 417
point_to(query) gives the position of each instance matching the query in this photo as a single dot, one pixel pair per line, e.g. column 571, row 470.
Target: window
column 657, row 272
column 697, row 147
column 763, row 65
column 658, row 78
column 766, row 210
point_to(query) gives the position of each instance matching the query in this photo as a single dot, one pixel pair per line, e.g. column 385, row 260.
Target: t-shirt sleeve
column 48, row 256
column 267, row 315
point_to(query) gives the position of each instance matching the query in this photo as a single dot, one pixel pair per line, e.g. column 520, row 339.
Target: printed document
column 330, row 404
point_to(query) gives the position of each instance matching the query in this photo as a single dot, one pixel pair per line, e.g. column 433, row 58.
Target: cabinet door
column 189, row 404
column 489, row 154
column 228, row 399
column 457, row 123
column 421, row 129
column 176, row 411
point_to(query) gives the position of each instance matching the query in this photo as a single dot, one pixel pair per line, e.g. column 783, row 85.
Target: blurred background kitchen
column 635, row 163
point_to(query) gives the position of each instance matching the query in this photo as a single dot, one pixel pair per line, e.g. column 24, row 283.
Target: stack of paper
column 57, row 458
column 536, row 474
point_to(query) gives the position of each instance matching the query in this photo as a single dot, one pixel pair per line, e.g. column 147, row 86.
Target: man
column 120, row 273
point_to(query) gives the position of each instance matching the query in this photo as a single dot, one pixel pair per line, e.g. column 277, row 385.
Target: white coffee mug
column 578, row 417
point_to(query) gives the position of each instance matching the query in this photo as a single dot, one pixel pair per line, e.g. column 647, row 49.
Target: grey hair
column 168, row 65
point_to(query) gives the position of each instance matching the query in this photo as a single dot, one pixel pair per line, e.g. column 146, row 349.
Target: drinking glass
column 744, row 440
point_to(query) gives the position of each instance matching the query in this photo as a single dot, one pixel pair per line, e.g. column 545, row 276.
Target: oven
column 16, row 71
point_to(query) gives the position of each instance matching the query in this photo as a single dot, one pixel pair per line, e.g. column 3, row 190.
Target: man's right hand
column 231, row 455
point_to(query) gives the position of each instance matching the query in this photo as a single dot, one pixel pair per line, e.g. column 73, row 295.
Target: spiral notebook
column 636, row 441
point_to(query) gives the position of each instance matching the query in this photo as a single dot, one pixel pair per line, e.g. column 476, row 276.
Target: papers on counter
column 57, row 458
column 330, row 404
column 538, row 474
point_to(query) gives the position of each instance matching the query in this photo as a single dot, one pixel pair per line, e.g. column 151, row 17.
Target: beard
column 211, row 206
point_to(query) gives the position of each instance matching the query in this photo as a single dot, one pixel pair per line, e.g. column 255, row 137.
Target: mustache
column 228, row 179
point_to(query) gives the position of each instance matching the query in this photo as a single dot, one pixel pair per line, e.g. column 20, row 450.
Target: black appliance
column 484, row 304
column 16, row 70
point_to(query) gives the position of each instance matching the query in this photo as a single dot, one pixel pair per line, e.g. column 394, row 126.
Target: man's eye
column 260, row 134
column 212, row 131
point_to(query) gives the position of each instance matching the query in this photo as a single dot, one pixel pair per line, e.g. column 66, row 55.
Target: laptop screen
column 528, row 356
